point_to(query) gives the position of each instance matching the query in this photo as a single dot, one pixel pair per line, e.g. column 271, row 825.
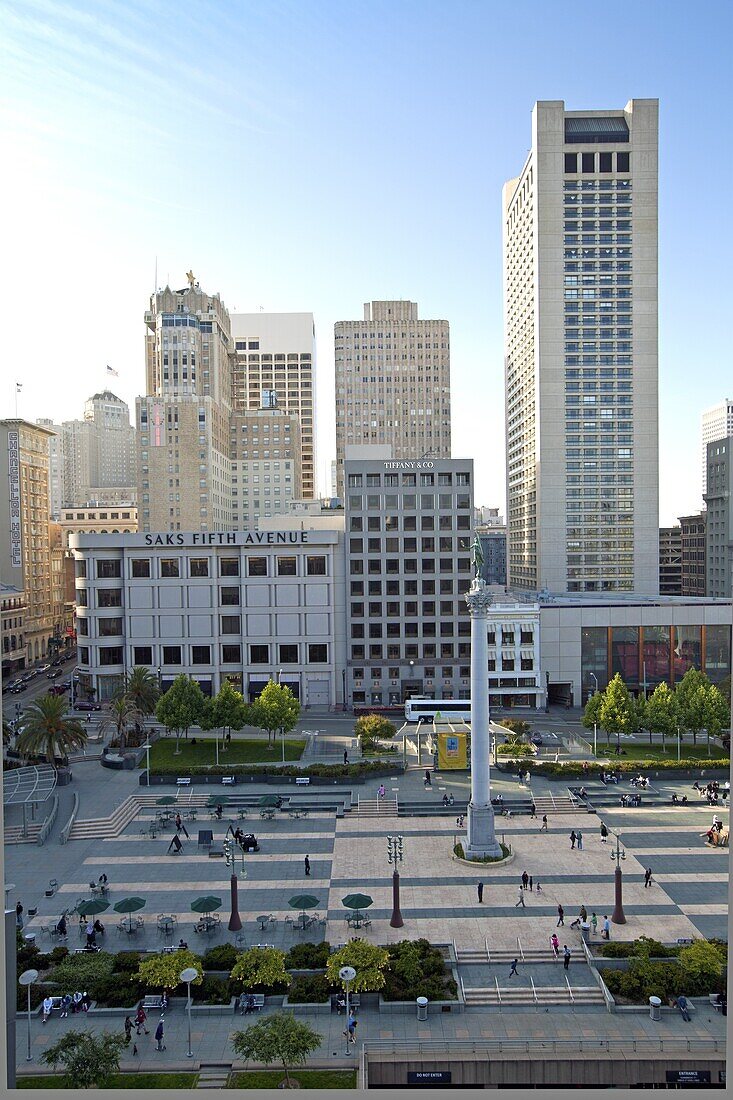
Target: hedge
column 625, row 767
column 459, row 851
column 309, row 990
column 417, row 969
column 332, row 771
column 308, row 956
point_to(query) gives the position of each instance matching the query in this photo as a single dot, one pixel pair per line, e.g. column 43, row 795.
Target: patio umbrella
column 357, row 901
column 303, row 901
column 130, row 905
column 206, row 904
column 166, row 800
column 217, row 799
column 269, row 800
column 92, row 907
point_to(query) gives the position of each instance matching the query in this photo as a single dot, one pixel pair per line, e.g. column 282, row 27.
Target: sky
column 314, row 155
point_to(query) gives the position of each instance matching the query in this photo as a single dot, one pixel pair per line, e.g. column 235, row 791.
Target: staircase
column 558, row 804
column 545, row 996
column 213, row 1075
column 103, row 828
column 13, row 834
column 466, row 955
column 377, row 807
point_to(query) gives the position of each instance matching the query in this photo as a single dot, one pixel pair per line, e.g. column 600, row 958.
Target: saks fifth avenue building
column 248, row 606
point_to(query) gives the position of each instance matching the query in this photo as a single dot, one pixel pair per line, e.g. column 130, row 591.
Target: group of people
column 448, row 799
column 246, row 1004
column 76, row 1002
column 609, row 777
column 93, row 929
column 640, row 781
column 713, row 791
column 679, row 801
column 631, row 800
column 714, row 835
column 576, row 838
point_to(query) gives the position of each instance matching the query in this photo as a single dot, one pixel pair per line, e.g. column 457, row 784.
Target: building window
column 231, row 624
column 143, row 655
column 259, row 654
column 170, row 567
column 286, row 567
column 288, row 654
column 231, row 654
column 229, row 567
column 110, row 655
column 317, row 653
column 622, row 162
column 316, row 567
column 171, row 655
column 200, row 655
column 107, row 568
column 109, row 597
column 256, row 567
column 571, row 162
column 199, row 567
column 141, row 567
column 229, row 597
column 109, row 628
column 80, row 568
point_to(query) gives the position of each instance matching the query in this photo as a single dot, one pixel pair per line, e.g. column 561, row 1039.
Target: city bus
column 458, row 710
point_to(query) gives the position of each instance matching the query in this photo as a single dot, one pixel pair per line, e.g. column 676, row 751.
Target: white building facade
column 717, row 423
column 247, row 606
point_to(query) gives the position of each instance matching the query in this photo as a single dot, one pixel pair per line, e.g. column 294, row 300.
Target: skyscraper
column 392, row 383
column 719, row 526
column 274, row 353
column 55, row 466
column 717, row 423
column 580, row 315
column 184, row 468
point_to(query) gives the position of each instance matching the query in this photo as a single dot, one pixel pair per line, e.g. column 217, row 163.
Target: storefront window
column 625, row 654
column 656, row 656
column 594, row 659
column 717, row 652
column 686, row 650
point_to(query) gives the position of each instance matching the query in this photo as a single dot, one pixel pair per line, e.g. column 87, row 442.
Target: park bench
column 302, row 780
column 55, row 1005
column 183, row 781
column 152, row 1001
column 354, row 1002
column 259, row 1001
column 228, row 780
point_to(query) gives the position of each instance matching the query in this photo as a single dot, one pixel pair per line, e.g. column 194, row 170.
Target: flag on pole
column 110, row 371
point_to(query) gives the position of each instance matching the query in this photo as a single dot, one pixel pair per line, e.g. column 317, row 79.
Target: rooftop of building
column 610, row 599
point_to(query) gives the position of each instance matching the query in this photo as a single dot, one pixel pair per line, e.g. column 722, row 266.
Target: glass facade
column 717, row 652
column 625, row 653
column 652, row 654
column 686, row 649
column 594, row 659
column 655, row 656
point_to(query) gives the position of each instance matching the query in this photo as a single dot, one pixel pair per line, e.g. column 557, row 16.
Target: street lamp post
column 188, row 976
column 160, row 679
column 146, row 746
column 347, row 975
column 394, row 858
column 618, row 916
column 27, row 978
column 679, row 744
column 235, row 921
column 594, row 678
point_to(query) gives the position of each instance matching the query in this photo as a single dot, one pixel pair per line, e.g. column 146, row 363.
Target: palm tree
column 122, row 714
column 141, row 688
column 47, row 730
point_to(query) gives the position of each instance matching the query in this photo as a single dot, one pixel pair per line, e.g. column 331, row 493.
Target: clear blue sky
column 315, row 155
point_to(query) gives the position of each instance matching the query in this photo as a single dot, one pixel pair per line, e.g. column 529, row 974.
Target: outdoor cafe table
column 269, row 814
column 264, row 919
column 358, row 922
column 166, row 924
column 303, row 922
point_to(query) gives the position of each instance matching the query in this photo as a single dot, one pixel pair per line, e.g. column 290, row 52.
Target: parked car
column 17, row 688
column 536, row 739
column 87, row 706
column 57, row 689
column 57, row 661
column 53, row 674
column 41, row 668
column 66, row 685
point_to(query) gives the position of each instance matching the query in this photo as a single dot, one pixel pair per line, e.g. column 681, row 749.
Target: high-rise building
column 717, row 423
column 670, row 561
column 719, row 527
column 493, row 546
column 693, row 554
column 183, row 420
column 580, row 311
column 392, row 383
column 55, row 466
column 274, row 354
column 266, row 457
column 25, row 546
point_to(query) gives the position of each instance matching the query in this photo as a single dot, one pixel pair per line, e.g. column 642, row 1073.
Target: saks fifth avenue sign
column 227, row 538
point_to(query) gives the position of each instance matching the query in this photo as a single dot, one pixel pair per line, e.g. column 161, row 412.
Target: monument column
column 481, row 840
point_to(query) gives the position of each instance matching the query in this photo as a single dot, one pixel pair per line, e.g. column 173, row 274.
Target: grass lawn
column 640, row 751
column 238, row 752
column 120, row 1081
column 309, row 1079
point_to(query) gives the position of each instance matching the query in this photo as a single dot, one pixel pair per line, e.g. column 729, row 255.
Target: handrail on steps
column 455, row 949
column 488, row 953
column 498, row 991
column 463, row 988
column 534, row 991
column 519, row 945
column 567, row 983
column 554, row 803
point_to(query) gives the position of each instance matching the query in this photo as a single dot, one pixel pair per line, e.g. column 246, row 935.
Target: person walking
column 480, row 891
column 159, row 1032
column 555, row 944
column 307, row 865
column 530, row 884
column 579, row 838
column 346, row 757
column 128, row 1030
column 520, row 900
column 573, row 838
column 140, row 1021
column 533, row 810
column 381, row 791
column 594, row 923
column 539, row 888
column 180, row 827
column 19, row 915
column 351, row 1028
column 543, row 826
column 604, row 833
column 513, row 969
column 525, row 880
column 647, row 877
column 565, row 957
column 682, row 1005
column 606, row 930
column 560, row 916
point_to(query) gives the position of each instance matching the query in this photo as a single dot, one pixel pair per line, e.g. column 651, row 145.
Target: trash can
column 63, row 777
column 30, row 938
column 422, row 1008
column 655, row 1008
column 585, row 930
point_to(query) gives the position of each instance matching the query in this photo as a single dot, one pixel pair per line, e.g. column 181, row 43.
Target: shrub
column 330, row 771
column 58, row 954
column 117, row 991
column 308, row 956
column 625, row 767
column 514, row 748
column 372, row 726
column 368, row 960
column 311, row 990
column 643, row 980
column 38, row 992
column 516, row 725
column 163, row 971
column 127, row 962
column 222, row 957
column 83, row 971
column 458, row 850
column 417, row 969
column 212, row 991
column 702, row 964
column 262, row 968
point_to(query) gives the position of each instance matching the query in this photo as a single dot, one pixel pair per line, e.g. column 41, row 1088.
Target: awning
column 31, row 784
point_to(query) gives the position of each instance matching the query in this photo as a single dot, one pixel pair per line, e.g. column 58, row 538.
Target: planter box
column 623, row 964
column 409, row 1008
column 308, row 1007
column 214, row 1010
column 270, row 778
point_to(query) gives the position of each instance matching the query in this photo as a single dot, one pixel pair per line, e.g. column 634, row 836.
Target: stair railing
column 570, row 992
column 519, row 946
column 488, row 953
column 498, row 991
column 534, row 991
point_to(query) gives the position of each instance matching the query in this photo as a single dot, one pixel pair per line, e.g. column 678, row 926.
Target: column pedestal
column 480, row 839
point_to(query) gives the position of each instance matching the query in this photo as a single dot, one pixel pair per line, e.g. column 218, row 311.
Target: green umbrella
column 206, row 904
column 357, row 901
column 217, row 799
column 166, row 800
column 130, row 905
column 303, row 901
column 269, row 800
column 92, row 907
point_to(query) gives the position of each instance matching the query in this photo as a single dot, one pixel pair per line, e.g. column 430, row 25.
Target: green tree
column 181, row 706
column 716, row 713
column 47, row 730
column 368, row 960
column 89, row 1061
column 275, row 709
column 230, row 712
column 702, row 964
column 618, row 712
column 592, row 713
column 691, row 702
column 122, row 714
column 278, row 1038
column 660, row 714
column 372, row 726
column 163, row 971
column 141, row 688
column 261, row 966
